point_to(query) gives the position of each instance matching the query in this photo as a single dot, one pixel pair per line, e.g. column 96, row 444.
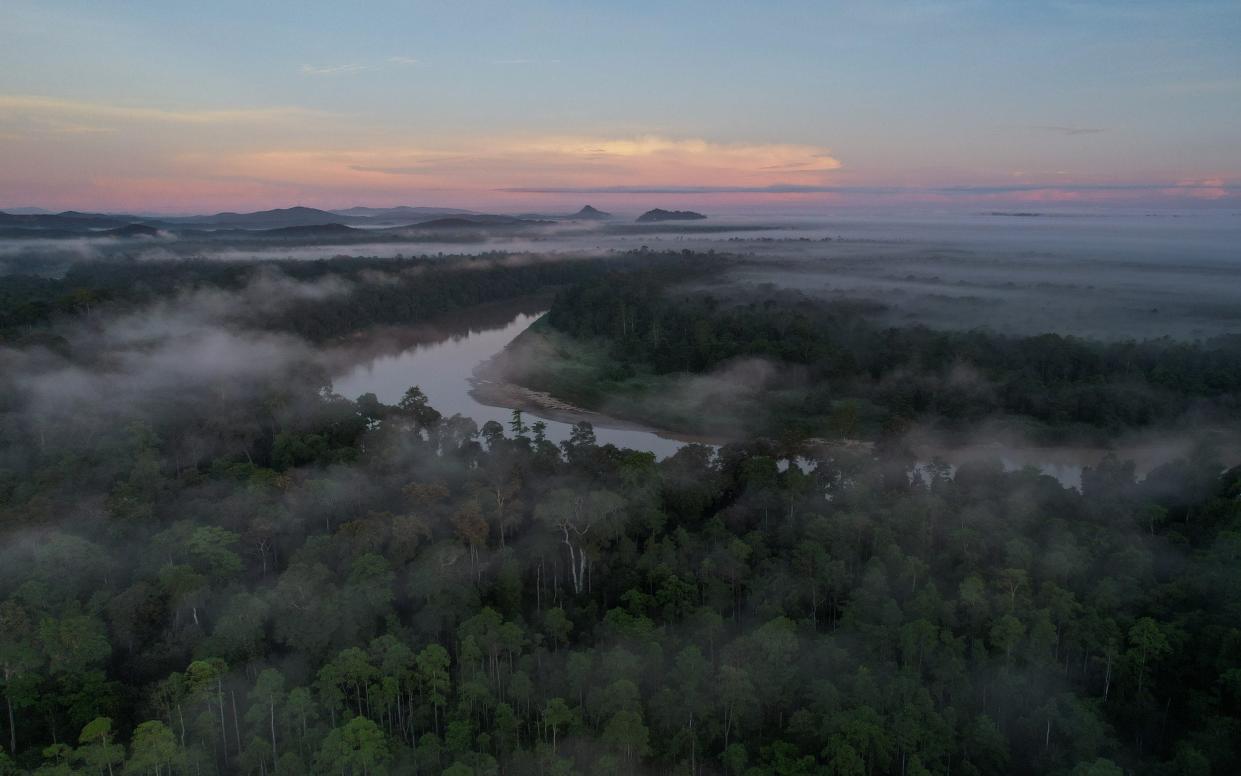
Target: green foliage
column 98, row 751
column 358, row 747
column 355, row 608
column 850, row 358
column 153, row 749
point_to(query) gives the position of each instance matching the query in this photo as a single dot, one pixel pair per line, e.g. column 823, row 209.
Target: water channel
column 443, row 366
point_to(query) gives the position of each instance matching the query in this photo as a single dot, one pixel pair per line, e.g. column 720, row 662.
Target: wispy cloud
column 422, row 167
column 775, row 188
column 1186, row 187
column 1067, row 130
column 335, row 69
column 1183, row 186
column 351, row 68
column 525, row 61
column 72, row 128
column 36, row 105
column 551, row 162
column 407, row 170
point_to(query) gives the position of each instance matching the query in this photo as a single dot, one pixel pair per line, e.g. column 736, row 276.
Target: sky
column 203, row 106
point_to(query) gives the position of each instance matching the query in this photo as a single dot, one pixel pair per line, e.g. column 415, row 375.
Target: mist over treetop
column 213, row 561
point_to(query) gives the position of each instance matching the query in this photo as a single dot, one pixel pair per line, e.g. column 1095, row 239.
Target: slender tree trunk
column 693, row 747
column 577, row 584
column 1107, row 677
column 236, row 723
column 8, row 700
column 275, row 757
column 219, row 687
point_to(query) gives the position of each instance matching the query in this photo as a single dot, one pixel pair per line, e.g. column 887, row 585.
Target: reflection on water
column 443, row 371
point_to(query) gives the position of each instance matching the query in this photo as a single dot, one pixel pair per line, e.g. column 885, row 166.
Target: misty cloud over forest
column 240, row 534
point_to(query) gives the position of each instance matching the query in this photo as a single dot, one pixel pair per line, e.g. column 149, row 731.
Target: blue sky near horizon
column 188, row 105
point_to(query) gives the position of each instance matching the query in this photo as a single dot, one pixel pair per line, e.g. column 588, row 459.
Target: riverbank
column 511, row 396
column 443, row 359
column 547, row 373
column 534, row 356
column 541, row 372
column 378, row 341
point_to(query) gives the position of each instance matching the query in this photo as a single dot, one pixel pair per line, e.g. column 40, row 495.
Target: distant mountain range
column 587, row 213
column 68, row 220
column 293, row 222
column 590, row 213
column 132, row 230
column 265, row 219
column 669, row 215
column 310, row 230
column 473, row 221
column 403, row 212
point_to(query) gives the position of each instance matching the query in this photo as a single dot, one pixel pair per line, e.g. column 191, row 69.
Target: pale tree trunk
column 1107, row 677
column 500, row 512
column 236, row 723
column 693, row 747
column 223, row 727
column 8, row 700
column 573, row 562
column 275, row 758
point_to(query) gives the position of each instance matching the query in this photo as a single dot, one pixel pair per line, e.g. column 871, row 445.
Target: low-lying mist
column 201, row 539
column 1111, row 276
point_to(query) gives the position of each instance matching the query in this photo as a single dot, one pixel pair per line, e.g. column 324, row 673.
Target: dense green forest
column 381, row 292
column 252, row 574
column 854, row 374
column 379, row 589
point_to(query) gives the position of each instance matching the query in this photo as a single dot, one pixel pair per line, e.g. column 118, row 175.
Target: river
column 444, row 370
column 443, row 359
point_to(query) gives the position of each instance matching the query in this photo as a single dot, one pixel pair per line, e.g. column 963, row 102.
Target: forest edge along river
column 446, row 371
column 446, row 361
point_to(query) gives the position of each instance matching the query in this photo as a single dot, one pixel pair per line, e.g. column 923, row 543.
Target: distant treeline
column 911, row 372
column 389, row 291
